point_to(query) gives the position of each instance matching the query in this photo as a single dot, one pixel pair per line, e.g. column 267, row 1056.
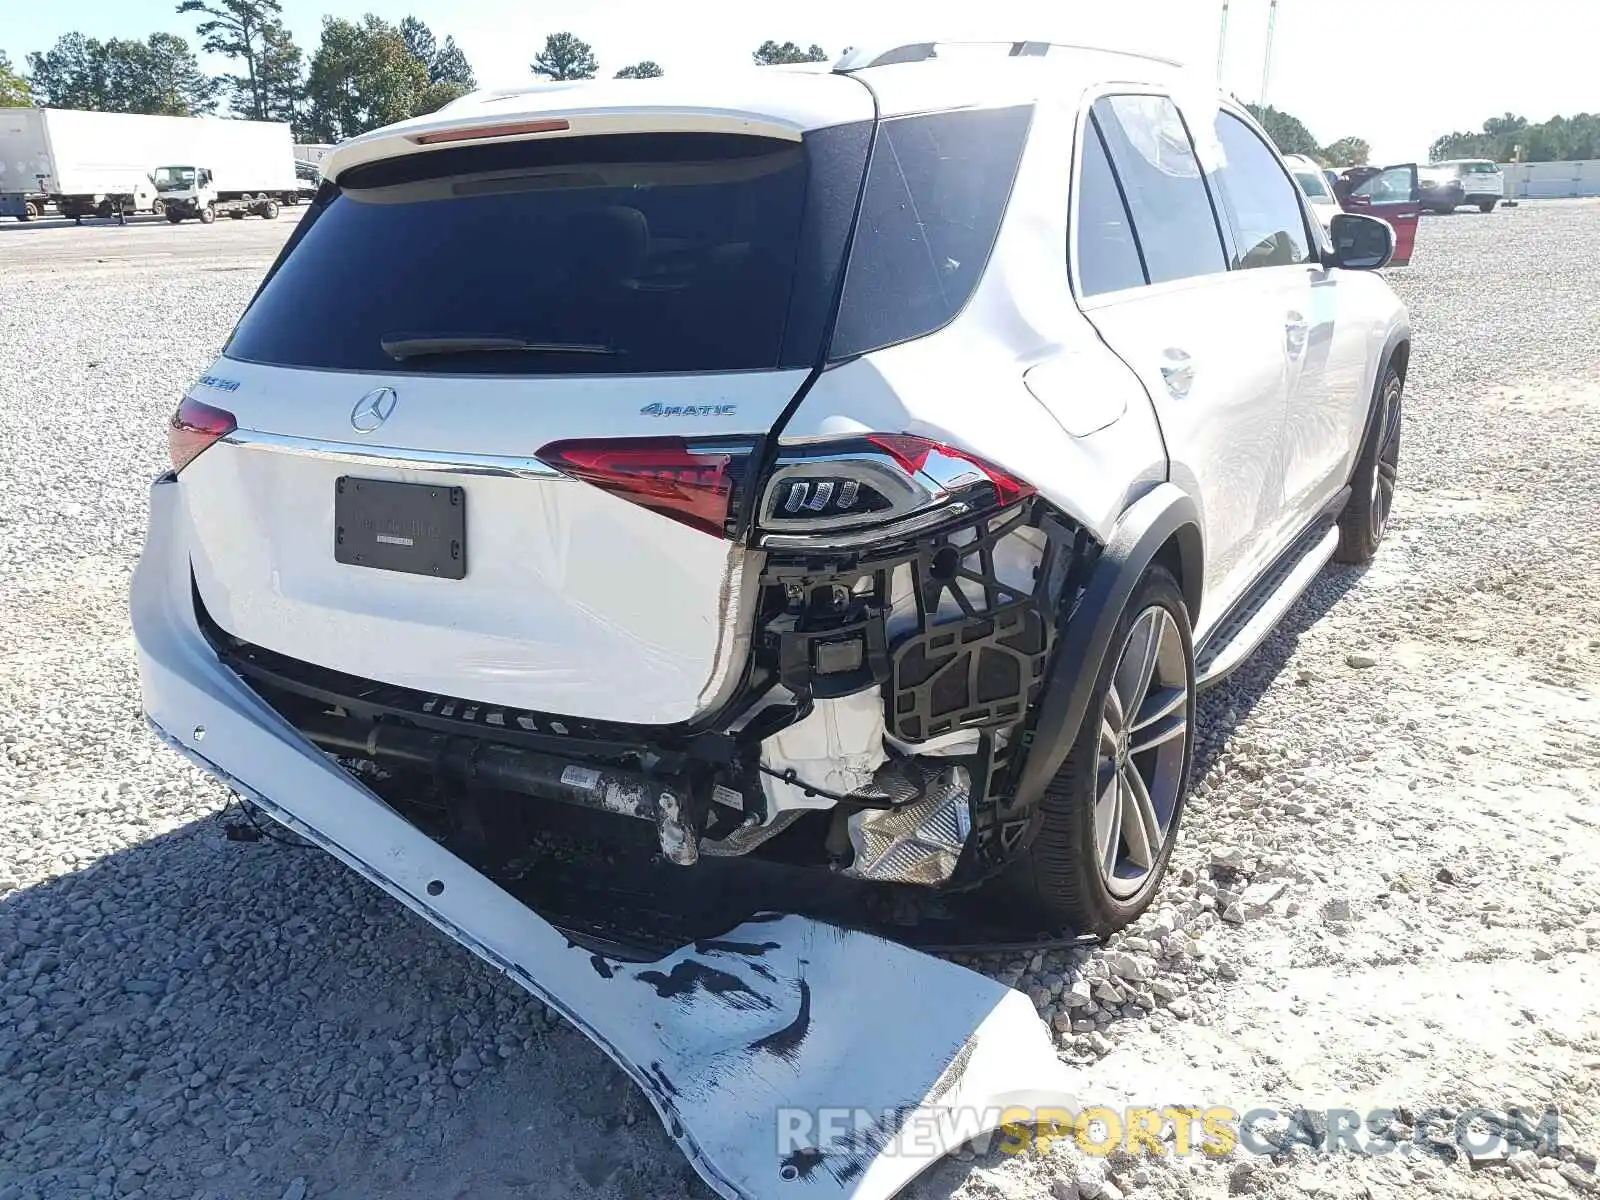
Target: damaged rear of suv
column 738, row 472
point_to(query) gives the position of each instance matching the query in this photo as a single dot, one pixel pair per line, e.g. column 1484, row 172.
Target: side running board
column 1250, row 621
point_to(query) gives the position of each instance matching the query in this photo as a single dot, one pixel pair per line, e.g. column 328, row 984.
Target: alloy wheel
column 1386, row 469
column 1144, row 730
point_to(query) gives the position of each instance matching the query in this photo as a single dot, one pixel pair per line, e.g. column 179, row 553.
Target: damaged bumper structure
column 740, row 1041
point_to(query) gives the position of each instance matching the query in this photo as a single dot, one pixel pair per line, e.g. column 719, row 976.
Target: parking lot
column 1414, row 758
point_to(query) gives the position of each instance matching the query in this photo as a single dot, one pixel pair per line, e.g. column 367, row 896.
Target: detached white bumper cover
column 762, row 1052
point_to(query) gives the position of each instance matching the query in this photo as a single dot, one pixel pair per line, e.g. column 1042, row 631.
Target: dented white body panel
column 748, row 1047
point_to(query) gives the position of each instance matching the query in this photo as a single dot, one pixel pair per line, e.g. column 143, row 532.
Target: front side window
column 1269, row 225
column 1392, row 186
column 1167, row 197
column 1107, row 251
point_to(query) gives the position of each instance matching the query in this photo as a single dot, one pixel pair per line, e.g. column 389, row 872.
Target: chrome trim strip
column 494, row 465
column 849, row 539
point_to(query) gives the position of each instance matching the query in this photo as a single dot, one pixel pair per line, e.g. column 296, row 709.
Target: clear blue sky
column 1397, row 72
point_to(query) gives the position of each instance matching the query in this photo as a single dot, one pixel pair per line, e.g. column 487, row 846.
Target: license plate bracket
column 414, row 528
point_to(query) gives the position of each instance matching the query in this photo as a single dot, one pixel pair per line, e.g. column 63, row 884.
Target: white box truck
column 107, row 164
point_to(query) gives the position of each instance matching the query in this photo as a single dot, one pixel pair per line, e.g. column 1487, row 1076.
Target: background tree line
column 1557, row 140
column 1292, row 137
column 361, row 75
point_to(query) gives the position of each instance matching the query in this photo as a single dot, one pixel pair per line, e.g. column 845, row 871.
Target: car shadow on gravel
column 1225, row 707
column 200, row 1018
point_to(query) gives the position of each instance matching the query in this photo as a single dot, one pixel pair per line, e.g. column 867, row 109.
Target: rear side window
column 639, row 253
column 1269, row 225
column 935, row 194
column 1314, row 184
column 1107, row 252
column 1167, row 197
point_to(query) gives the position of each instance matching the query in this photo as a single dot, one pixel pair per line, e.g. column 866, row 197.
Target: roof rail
column 882, row 56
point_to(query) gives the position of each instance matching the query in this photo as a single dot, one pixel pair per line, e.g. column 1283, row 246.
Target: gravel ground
column 1384, row 898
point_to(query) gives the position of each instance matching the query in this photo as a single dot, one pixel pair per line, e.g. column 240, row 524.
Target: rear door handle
column 1177, row 372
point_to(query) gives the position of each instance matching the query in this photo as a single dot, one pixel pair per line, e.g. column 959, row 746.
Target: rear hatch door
column 487, row 323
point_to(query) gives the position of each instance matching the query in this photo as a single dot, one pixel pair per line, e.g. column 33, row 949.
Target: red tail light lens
column 194, row 427
column 913, row 453
column 692, row 484
column 476, row 132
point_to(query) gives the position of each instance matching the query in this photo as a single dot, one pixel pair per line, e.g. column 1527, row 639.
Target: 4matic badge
column 689, row 410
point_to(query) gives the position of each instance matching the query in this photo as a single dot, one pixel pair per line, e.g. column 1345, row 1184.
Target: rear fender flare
column 1164, row 513
column 1396, row 353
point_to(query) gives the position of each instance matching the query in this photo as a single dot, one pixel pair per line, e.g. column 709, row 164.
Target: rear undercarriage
column 874, row 737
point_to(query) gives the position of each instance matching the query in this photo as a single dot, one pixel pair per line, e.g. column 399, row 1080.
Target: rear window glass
column 1108, row 253
column 1313, row 183
column 639, row 253
column 1479, row 168
column 936, row 191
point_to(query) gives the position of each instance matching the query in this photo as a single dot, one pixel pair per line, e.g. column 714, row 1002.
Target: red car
column 1393, row 193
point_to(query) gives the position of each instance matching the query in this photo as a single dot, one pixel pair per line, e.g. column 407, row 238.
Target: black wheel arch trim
column 1400, row 336
column 1397, row 354
column 1164, row 514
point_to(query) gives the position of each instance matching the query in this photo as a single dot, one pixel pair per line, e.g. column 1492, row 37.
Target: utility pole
column 1266, row 63
column 1222, row 43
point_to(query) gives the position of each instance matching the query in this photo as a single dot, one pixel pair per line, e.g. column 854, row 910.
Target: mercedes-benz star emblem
column 373, row 409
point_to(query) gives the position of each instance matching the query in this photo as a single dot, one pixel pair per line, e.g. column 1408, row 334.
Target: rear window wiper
column 402, row 348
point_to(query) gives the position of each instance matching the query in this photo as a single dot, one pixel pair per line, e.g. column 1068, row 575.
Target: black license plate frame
column 410, row 528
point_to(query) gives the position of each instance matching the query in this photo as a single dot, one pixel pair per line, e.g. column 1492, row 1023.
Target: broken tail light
column 836, row 493
column 875, row 486
column 194, row 427
column 696, row 484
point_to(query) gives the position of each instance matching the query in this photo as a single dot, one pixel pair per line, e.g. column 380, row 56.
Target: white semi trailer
column 109, row 164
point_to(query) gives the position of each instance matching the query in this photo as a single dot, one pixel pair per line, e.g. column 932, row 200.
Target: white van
column 1314, row 184
column 1482, row 182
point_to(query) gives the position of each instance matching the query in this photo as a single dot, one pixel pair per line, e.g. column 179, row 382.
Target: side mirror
column 1360, row 242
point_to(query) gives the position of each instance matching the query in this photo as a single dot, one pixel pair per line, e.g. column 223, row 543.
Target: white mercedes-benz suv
column 851, row 471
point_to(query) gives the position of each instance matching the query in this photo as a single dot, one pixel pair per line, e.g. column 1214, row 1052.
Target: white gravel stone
column 1263, row 893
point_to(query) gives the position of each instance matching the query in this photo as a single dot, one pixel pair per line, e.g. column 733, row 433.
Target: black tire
column 1366, row 515
column 158, row 208
column 208, row 214
column 1058, row 881
column 104, row 209
column 270, row 210
column 174, row 215
column 30, row 210
column 1487, row 206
